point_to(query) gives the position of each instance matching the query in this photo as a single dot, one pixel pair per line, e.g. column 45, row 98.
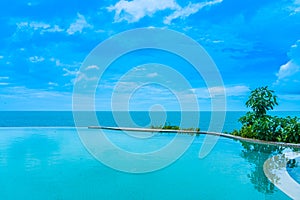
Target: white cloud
column 52, row 84
column 139, row 68
column 55, row 28
column 217, row 41
column 36, row 59
column 289, row 73
column 237, row 90
column 78, row 25
column 58, row 63
column 295, row 7
column 92, row 67
column 70, row 73
column 133, row 11
column 34, row 25
column 190, row 9
column 289, row 97
column 22, row 98
column 229, row 91
column 125, row 86
column 213, row 92
column 38, row 26
column 85, row 79
column 287, row 70
column 151, row 75
column 34, row 3
column 4, row 78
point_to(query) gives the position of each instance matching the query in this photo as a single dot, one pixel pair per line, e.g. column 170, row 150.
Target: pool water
column 294, row 169
column 52, row 163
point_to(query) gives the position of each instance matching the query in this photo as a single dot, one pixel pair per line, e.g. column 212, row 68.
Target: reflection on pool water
column 52, row 163
column 294, row 169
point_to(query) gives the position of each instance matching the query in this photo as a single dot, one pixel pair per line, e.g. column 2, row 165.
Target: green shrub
column 258, row 125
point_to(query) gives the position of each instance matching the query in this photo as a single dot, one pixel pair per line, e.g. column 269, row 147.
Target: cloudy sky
column 44, row 43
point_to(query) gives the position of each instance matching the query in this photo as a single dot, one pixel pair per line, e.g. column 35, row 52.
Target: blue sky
column 43, row 44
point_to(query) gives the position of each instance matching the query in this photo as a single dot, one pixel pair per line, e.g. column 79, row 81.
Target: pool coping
column 295, row 145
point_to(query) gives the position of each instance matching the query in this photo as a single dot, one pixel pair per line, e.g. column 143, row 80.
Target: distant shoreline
column 145, row 129
column 197, row 132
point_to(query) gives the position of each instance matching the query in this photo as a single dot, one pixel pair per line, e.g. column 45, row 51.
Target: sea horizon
column 107, row 118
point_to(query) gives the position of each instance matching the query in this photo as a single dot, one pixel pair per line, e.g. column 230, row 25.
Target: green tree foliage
column 169, row 126
column 257, row 124
column 261, row 100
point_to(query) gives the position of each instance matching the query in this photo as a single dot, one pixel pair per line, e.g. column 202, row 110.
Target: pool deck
column 196, row 132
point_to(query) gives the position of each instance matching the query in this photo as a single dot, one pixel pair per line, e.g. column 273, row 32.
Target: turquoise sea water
column 65, row 119
column 52, row 163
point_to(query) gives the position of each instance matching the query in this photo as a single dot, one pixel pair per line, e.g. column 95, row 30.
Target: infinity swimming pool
column 52, row 163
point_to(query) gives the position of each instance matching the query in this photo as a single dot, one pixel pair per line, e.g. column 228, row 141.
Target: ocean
column 141, row 118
